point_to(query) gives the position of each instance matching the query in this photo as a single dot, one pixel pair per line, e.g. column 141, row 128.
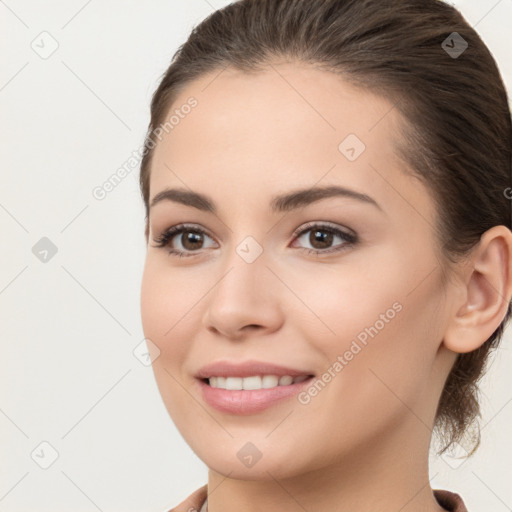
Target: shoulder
column 451, row 501
column 193, row 502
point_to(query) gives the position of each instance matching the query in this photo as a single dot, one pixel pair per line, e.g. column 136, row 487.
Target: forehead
column 288, row 126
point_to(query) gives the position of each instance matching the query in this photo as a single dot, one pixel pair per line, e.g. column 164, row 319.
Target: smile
column 254, row 382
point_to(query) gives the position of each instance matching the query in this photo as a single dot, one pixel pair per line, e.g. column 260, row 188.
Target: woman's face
column 365, row 315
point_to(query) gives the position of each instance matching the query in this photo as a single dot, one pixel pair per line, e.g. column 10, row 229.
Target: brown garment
column 451, row 501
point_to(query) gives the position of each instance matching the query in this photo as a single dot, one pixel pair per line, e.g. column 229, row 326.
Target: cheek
column 376, row 330
column 165, row 302
column 352, row 301
column 153, row 304
column 167, row 298
column 167, row 314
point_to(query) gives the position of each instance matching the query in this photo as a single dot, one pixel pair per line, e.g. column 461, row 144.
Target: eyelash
column 166, row 237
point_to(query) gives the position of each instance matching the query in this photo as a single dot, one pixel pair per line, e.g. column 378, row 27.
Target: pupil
column 324, row 238
column 191, row 238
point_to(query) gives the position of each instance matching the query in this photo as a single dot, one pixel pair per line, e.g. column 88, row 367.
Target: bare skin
column 362, row 442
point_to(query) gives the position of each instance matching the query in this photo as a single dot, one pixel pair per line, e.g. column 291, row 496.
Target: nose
column 244, row 300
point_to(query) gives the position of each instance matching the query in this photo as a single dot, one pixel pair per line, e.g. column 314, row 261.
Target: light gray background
column 69, row 326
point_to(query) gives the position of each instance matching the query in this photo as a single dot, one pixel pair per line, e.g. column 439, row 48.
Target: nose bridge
column 243, row 294
column 246, row 255
column 244, row 270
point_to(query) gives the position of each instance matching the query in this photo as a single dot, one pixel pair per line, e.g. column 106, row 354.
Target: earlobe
column 486, row 288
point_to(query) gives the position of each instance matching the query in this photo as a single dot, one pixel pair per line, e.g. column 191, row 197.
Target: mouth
column 252, row 394
column 254, row 382
column 249, row 387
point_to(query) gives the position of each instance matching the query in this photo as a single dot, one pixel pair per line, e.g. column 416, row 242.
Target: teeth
column 254, row 382
column 233, row 383
column 285, row 380
column 269, row 381
column 251, row 383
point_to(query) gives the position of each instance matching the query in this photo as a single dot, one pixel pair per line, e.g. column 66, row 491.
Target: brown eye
column 190, row 238
column 321, row 238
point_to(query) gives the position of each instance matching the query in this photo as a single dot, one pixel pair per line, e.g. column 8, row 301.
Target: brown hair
column 457, row 133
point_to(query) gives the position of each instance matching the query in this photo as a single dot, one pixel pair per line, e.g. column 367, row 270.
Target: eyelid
column 324, row 224
column 168, row 234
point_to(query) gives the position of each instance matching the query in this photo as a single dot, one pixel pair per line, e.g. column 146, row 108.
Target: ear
column 485, row 292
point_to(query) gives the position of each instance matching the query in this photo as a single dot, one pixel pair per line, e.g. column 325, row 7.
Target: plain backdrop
column 82, row 424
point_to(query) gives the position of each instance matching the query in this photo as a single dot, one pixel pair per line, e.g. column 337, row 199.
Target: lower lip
column 248, row 401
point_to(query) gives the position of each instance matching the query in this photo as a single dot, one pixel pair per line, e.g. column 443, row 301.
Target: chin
column 242, row 460
column 261, row 471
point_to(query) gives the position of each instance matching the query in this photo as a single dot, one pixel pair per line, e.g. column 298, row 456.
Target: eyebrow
column 280, row 203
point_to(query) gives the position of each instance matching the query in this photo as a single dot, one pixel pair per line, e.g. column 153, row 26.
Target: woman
column 329, row 249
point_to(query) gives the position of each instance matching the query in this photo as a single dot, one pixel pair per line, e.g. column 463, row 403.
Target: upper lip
column 246, row 369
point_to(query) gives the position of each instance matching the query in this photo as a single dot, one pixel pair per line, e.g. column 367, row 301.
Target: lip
column 247, row 401
column 247, row 369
